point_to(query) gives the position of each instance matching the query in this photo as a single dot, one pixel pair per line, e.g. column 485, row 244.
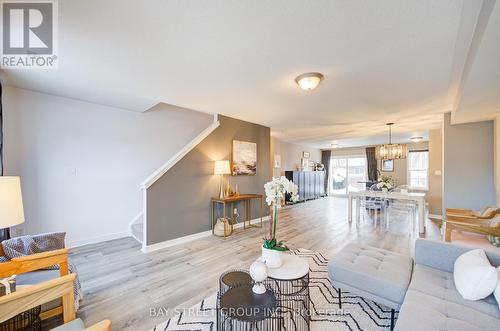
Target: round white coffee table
column 290, row 283
column 293, row 267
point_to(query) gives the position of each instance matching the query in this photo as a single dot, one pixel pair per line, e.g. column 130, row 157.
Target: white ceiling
column 385, row 60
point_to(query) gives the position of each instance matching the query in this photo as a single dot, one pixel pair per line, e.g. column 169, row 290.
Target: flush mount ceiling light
column 416, row 139
column 391, row 151
column 309, row 81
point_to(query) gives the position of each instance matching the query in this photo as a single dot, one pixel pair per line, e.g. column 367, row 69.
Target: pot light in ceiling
column 416, row 139
column 309, row 81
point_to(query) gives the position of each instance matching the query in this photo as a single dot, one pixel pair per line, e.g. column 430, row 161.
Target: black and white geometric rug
column 356, row 313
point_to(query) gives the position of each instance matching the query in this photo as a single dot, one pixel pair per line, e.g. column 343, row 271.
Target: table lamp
column 11, row 205
column 222, row 168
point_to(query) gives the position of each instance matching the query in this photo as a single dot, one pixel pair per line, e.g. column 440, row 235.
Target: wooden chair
column 468, row 222
column 27, row 297
column 487, row 212
column 32, row 263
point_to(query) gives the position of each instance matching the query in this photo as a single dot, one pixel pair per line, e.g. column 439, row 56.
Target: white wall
column 291, row 155
column 434, row 195
column 496, row 153
column 468, row 165
column 81, row 164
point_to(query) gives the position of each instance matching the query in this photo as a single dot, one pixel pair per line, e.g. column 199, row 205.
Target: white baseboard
column 435, row 216
column 191, row 237
column 97, row 239
column 176, row 241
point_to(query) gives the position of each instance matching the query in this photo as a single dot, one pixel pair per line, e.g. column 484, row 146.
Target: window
column 347, row 174
column 418, row 169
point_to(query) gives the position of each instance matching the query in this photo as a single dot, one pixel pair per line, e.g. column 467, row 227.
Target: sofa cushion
column 496, row 293
column 424, row 312
column 440, row 284
column 376, row 271
column 74, row 325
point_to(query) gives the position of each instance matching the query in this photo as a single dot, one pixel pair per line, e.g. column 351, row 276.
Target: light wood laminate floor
column 122, row 284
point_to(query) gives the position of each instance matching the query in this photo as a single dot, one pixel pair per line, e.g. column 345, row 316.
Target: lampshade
column 11, row 202
column 222, row 167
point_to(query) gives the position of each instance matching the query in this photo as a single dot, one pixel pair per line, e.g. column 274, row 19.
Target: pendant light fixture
column 391, row 151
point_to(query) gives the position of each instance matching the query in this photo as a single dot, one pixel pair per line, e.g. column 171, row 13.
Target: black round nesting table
column 284, row 306
column 238, row 308
column 240, row 303
column 232, row 279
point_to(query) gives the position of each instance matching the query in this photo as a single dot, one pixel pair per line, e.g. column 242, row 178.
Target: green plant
column 274, row 244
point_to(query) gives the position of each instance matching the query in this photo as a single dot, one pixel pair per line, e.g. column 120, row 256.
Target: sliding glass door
column 348, row 174
column 338, row 170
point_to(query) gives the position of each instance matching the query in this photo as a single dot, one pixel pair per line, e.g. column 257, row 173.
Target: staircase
column 137, row 228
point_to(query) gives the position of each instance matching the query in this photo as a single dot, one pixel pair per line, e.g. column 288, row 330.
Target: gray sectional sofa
column 433, row 303
column 422, row 290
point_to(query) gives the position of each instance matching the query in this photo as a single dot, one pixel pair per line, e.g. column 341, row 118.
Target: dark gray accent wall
column 178, row 204
column 468, row 168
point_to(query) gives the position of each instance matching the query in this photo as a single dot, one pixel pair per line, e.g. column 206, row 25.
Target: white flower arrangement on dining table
column 385, row 182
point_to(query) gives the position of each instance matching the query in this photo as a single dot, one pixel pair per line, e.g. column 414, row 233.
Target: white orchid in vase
column 276, row 191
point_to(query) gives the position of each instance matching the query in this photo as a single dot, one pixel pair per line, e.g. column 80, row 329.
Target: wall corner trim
column 179, row 155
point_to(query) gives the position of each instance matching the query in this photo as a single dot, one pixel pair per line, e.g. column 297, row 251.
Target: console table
column 247, row 199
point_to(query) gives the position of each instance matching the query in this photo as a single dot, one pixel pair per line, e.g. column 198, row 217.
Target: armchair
column 486, row 223
column 26, row 264
column 487, row 212
column 28, row 297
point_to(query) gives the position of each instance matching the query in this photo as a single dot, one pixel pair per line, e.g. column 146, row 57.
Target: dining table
column 417, row 197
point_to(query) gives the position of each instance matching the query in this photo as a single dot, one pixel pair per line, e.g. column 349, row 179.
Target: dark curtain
column 371, row 162
column 325, row 159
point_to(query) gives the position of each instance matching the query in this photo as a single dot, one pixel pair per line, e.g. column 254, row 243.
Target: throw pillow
column 475, row 278
column 497, row 289
column 494, row 223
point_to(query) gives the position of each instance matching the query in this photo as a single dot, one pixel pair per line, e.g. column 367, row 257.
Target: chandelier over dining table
column 391, row 151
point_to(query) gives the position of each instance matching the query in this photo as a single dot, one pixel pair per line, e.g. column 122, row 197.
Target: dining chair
column 407, row 207
column 373, row 204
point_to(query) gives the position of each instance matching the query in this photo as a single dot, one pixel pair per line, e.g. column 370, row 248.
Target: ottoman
column 376, row 274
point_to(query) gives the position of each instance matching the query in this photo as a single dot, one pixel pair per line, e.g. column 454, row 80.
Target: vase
column 222, row 227
column 271, row 257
